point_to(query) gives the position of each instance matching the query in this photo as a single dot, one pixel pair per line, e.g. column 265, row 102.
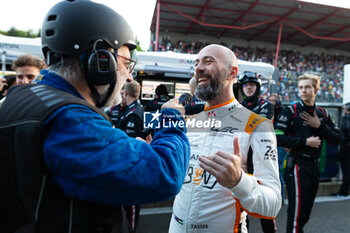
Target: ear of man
column 233, row 72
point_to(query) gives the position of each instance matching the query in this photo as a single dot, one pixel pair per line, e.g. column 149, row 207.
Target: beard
column 115, row 97
column 213, row 90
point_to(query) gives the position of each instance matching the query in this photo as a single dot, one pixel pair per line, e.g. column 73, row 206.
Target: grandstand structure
column 290, row 22
column 294, row 36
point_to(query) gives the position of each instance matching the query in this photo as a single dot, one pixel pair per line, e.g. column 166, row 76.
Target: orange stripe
column 253, row 121
column 256, row 215
column 219, row 105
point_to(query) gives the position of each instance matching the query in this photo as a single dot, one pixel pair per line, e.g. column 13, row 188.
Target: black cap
column 71, row 26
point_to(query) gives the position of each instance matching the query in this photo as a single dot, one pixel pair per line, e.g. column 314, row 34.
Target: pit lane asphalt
column 329, row 215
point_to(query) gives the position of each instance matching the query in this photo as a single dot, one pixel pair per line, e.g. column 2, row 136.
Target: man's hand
column 312, row 121
column 148, row 139
column 174, row 104
column 226, row 167
column 313, row 142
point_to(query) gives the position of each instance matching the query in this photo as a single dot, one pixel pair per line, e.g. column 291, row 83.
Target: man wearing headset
column 64, row 168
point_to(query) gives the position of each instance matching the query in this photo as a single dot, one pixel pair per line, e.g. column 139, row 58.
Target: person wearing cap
column 343, row 155
column 161, row 97
column 64, row 167
column 250, row 84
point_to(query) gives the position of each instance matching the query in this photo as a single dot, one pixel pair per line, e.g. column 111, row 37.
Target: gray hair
column 70, row 69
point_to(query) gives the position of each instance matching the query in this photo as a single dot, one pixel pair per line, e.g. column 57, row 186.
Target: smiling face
column 212, row 69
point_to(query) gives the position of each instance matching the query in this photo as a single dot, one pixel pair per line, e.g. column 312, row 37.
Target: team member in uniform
column 129, row 117
column 343, row 155
column 250, row 86
column 64, row 168
column 302, row 127
column 116, row 112
column 217, row 191
column 161, row 97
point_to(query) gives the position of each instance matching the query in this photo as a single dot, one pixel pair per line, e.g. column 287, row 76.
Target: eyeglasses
column 129, row 64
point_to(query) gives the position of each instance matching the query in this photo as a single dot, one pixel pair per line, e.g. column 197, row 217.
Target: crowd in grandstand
column 290, row 65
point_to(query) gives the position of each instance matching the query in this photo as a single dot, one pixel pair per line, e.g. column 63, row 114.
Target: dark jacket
column 292, row 132
column 261, row 107
column 156, row 103
column 131, row 122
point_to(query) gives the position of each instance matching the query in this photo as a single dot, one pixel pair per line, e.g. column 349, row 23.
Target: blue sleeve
column 90, row 160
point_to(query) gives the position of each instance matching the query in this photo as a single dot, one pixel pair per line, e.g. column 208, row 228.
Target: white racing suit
column 203, row 205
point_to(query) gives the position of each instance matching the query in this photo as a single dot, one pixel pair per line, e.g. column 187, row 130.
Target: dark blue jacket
column 90, row 160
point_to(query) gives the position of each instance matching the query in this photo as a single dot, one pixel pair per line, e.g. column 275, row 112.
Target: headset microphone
column 185, row 99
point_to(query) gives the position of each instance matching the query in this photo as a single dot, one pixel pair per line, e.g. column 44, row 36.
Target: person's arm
column 90, row 160
column 325, row 129
column 283, row 124
column 260, row 194
column 330, row 132
column 267, row 111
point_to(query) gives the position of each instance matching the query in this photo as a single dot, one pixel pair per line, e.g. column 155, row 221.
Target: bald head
column 215, row 72
column 221, row 54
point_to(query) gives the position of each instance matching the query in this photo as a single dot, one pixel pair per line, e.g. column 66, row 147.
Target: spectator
column 302, row 128
column 343, row 155
column 161, row 97
column 290, row 64
column 27, row 67
column 64, row 167
column 217, row 185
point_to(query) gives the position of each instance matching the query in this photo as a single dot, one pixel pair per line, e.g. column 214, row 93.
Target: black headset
column 101, row 68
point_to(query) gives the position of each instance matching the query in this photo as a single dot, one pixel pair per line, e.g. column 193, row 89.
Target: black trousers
column 268, row 225
column 344, row 160
column 302, row 180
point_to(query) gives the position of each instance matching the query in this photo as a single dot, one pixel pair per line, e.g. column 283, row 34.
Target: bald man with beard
column 217, row 192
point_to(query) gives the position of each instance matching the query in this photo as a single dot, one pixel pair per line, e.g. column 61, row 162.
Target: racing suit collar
column 307, row 108
column 219, row 105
